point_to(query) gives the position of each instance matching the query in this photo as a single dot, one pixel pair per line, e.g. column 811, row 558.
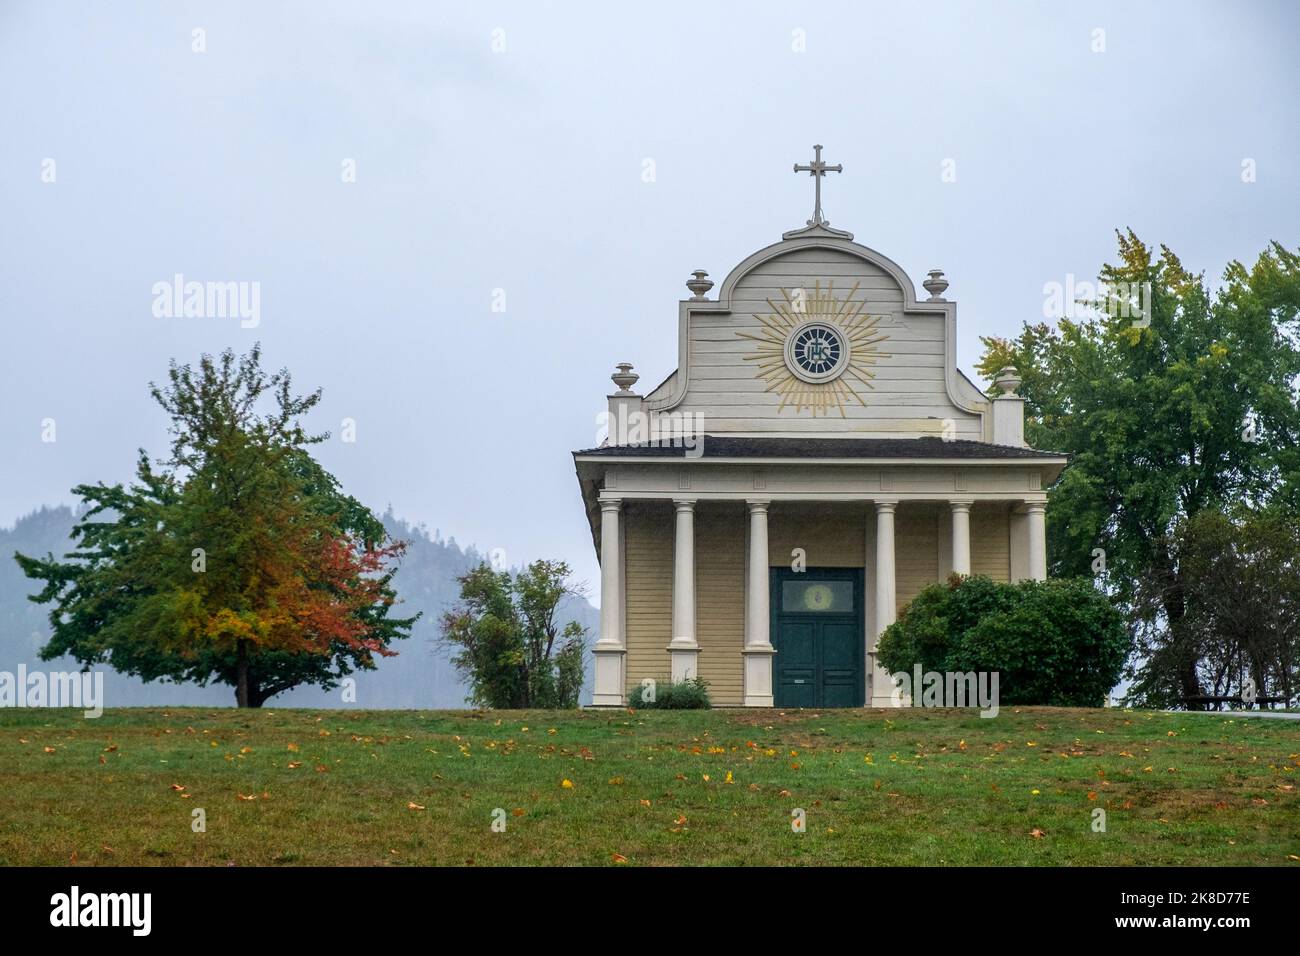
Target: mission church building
column 814, row 461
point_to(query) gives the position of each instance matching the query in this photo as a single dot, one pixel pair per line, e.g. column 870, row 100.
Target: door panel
column 840, row 667
column 796, row 672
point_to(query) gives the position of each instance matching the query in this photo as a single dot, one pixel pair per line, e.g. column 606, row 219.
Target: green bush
column 691, row 694
column 1060, row 642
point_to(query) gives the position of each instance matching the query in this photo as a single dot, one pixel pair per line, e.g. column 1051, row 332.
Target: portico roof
column 722, row 447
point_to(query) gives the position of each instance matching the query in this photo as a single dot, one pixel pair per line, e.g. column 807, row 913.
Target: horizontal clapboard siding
column 916, row 550
column 831, row 534
column 990, row 542
column 720, row 600
column 649, row 582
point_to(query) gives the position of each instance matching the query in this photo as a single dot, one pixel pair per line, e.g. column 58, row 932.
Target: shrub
column 690, row 694
column 1060, row 642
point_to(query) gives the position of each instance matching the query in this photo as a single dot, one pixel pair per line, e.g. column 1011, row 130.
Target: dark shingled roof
column 724, row 447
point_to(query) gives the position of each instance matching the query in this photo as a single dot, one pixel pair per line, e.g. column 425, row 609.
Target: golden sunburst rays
column 860, row 331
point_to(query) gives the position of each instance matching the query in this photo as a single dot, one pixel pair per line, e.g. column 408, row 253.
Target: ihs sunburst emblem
column 812, row 344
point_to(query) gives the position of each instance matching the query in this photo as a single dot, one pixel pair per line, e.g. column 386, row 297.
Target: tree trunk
column 1175, row 607
column 241, row 670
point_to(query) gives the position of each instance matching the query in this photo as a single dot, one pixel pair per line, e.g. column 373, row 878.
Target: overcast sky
column 523, row 169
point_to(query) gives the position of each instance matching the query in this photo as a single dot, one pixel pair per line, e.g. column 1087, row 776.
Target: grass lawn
column 925, row 787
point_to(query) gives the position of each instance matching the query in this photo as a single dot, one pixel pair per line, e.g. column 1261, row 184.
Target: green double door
column 818, row 632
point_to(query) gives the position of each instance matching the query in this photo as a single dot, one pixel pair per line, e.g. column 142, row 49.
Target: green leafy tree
column 1242, row 575
column 1166, row 414
column 238, row 559
column 507, row 639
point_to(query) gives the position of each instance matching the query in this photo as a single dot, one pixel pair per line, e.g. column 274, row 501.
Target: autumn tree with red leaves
column 237, row 559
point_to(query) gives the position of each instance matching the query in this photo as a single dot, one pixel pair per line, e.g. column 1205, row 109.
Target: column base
column 684, row 661
column 610, row 689
column 758, row 676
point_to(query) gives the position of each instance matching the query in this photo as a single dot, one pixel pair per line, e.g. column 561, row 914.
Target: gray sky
column 522, row 170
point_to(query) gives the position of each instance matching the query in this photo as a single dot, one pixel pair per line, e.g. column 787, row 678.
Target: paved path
column 1275, row 714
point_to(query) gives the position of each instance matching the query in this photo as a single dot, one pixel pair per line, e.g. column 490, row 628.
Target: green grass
column 924, row 787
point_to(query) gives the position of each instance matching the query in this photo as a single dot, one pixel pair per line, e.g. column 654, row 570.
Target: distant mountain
column 419, row 676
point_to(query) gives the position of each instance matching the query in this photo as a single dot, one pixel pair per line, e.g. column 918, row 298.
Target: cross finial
column 817, row 169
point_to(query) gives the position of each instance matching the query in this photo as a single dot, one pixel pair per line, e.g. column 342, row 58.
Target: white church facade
column 814, row 461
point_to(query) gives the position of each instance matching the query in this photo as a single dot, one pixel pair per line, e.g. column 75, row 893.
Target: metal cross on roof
column 817, row 169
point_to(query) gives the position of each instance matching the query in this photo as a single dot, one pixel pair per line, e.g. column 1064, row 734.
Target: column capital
column 1035, row 507
column 961, row 504
column 611, row 504
column 885, row 505
column 684, row 504
column 757, row 504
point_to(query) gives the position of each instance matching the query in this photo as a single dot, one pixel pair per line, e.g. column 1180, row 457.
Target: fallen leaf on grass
column 519, row 811
column 616, row 781
column 1036, row 833
column 178, row 786
column 567, row 784
column 412, row 805
column 251, row 796
column 321, row 768
column 645, row 803
column 681, row 820
column 618, row 857
column 295, row 764
column 49, row 750
column 293, row 748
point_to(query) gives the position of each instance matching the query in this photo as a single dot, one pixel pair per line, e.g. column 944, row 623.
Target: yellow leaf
column 566, row 784
column 413, row 806
column 293, row 747
column 729, row 778
column 1034, row 792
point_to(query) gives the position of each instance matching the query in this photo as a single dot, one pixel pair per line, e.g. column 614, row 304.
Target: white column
column 610, row 650
column 960, row 536
column 886, row 599
column 1037, row 515
column 682, row 650
column 758, row 643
